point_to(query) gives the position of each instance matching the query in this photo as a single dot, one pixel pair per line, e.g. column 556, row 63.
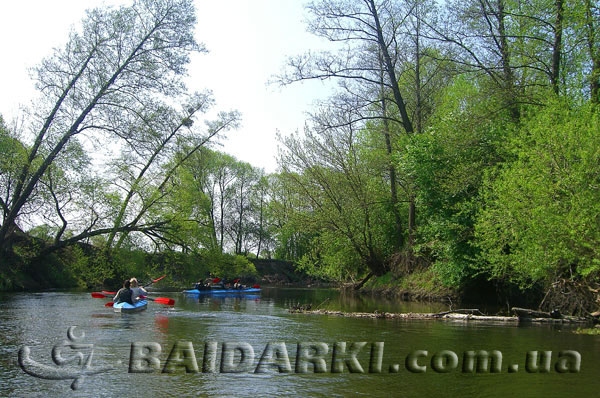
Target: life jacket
column 124, row 296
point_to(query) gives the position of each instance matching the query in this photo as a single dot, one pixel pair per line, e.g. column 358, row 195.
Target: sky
column 248, row 42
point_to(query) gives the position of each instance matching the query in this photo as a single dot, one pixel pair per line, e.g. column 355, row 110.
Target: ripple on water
column 41, row 320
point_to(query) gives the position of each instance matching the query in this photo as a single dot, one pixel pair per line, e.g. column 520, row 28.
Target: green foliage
column 331, row 258
column 588, row 331
column 541, row 218
column 88, row 269
column 14, row 155
column 447, row 163
column 503, row 175
column 335, row 197
column 43, row 231
column 230, row 266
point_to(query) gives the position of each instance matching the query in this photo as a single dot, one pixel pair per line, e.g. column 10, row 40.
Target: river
column 252, row 346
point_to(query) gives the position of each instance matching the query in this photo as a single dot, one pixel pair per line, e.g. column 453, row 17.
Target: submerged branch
column 456, row 315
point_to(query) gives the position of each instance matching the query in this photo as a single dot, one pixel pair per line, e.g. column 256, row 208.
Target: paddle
column 161, row 300
column 256, row 286
column 154, row 281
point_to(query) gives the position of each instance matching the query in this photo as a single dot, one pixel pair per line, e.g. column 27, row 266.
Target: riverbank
column 86, row 266
column 423, row 284
column 417, row 286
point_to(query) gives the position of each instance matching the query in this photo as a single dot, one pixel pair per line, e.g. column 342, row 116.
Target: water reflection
column 347, row 300
column 41, row 320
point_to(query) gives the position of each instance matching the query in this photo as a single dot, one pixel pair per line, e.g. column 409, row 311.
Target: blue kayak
column 223, row 291
column 126, row 307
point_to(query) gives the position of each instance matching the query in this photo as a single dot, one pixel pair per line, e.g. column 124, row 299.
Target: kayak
column 126, row 307
column 223, row 291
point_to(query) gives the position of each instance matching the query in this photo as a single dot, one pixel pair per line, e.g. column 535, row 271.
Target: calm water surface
column 40, row 321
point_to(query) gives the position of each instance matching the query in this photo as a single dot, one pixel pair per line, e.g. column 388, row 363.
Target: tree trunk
column 593, row 53
column 418, row 105
column 365, row 279
column 389, row 67
column 509, row 80
column 557, row 47
column 392, row 169
column 260, row 229
column 411, row 220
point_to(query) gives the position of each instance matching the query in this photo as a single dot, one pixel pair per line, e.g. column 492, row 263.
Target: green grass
column 588, row 331
column 422, row 283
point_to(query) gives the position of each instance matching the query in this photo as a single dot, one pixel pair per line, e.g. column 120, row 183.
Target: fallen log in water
column 527, row 313
column 454, row 315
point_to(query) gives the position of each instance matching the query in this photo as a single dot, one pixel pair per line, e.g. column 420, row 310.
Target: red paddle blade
column 216, row 280
column 156, row 280
column 256, row 287
column 164, row 300
column 98, row 295
column 109, row 304
column 236, row 280
column 105, row 292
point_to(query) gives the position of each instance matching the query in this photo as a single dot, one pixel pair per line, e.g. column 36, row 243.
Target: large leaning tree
column 115, row 85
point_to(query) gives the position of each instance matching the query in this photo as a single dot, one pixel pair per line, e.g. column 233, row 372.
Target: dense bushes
column 540, row 219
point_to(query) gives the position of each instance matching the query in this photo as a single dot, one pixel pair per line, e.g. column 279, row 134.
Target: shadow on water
column 347, row 301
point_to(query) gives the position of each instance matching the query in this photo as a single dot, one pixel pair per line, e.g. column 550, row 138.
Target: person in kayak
column 136, row 290
column 124, row 294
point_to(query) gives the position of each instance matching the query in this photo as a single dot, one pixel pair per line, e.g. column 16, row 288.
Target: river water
column 237, row 346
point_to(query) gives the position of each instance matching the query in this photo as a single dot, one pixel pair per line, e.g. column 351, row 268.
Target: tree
column 338, row 200
column 292, row 241
column 448, row 163
column 14, row 155
column 524, row 48
column 187, row 146
column 260, row 207
column 227, row 198
column 367, row 66
column 540, row 223
column 121, row 61
column 238, row 219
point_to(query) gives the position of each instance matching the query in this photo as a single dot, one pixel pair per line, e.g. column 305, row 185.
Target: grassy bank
column 424, row 285
column 84, row 266
column 419, row 285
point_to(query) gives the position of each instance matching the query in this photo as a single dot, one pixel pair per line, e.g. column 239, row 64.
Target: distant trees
column 228, row 200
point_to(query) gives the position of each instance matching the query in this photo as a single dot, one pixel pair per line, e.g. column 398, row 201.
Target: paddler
column 124, row 294
column 136, row 290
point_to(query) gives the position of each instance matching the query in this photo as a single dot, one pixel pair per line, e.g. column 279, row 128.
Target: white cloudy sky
column 248, row 40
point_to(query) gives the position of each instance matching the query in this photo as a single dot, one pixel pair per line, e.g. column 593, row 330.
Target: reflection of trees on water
column 347, row 300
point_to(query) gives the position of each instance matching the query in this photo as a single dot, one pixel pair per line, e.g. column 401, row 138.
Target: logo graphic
column 76, row 365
